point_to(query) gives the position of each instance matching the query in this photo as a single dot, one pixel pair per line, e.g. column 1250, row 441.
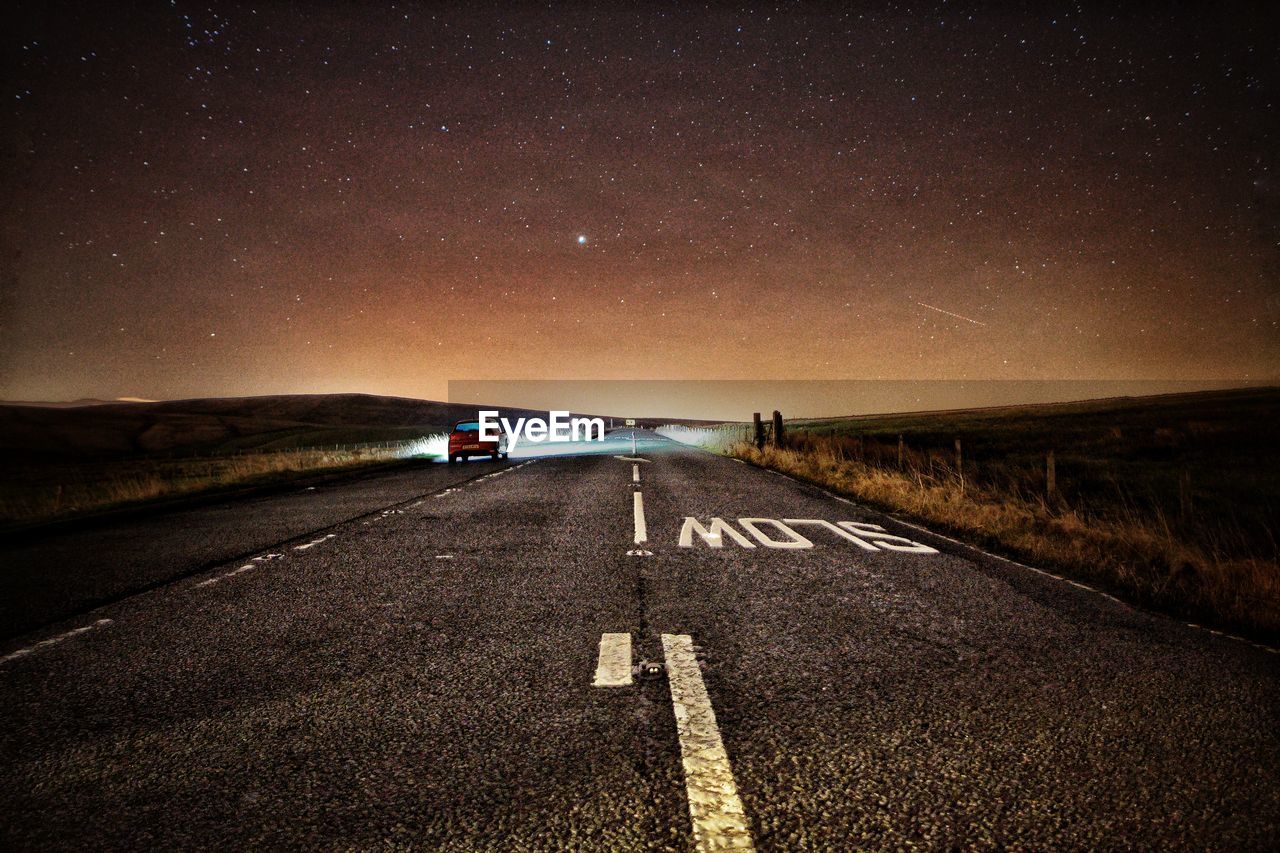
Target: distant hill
column 98, row 429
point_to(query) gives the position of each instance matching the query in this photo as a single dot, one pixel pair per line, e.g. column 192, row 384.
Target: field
column 1172, row 501
column 69, row 461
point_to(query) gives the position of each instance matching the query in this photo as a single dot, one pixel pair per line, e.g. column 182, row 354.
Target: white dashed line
column 314, row 543
column 613, row 668
column 635, row 473
column 638, row 504
column 719, row 822
column 52, row 641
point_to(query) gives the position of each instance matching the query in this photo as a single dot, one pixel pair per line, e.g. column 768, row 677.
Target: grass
column 43, row 492
column 1171, row 502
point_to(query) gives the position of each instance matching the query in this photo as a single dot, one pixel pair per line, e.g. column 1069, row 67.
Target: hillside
column 221, row 425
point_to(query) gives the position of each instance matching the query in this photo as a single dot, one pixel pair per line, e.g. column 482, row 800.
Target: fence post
column 1050, row 475
column 779, row 438
column 960, row 465
column 1184, row 496
column 899, row 451
column 759, row 431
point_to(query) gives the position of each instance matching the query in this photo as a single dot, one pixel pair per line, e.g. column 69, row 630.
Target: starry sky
column 206, row 199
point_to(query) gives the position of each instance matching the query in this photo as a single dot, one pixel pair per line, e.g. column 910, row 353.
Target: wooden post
column 1050, row 475
column 960, row 466
column 899, row 451
column 779, row 438
column 759, row 431
column 1184, row 496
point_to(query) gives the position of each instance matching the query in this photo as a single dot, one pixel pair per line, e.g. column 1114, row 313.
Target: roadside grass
column 1171, row 502
column 1141, row 556
column 45, row 491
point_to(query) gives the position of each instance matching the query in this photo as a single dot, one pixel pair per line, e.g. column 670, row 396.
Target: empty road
column 438, row 658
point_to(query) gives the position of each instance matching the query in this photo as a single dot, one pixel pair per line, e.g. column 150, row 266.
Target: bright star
column 582, row 239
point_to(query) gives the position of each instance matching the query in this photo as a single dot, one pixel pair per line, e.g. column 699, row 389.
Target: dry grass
column 49, row 493
column 1140, row 555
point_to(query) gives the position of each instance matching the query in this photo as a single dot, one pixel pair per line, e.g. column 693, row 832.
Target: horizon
column 938, row 397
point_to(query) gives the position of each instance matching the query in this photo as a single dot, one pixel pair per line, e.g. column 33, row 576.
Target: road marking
column 314, row 543
column 613, row 669
column 631, row 458
column 839, row 531
column 638, row 503
column 719, row 822
column 635, row 473
column 52, row 641
column 849, row 531
column 713, row 536
column 792, row 542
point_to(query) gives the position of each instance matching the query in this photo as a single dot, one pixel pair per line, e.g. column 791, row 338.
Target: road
column 412, row 661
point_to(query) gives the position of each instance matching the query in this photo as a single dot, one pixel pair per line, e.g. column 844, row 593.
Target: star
column 582, row 239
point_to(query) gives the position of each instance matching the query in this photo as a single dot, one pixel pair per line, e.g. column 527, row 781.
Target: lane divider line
column 719, row 821
column 53, row 641
column 638, row 504
column 613, row 667
column 635, row 473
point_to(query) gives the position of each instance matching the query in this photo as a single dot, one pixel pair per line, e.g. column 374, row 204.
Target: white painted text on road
column 780, row 534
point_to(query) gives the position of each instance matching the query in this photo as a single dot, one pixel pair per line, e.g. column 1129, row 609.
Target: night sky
column 207, row 199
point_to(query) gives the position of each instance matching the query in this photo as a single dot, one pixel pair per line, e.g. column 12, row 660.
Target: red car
column 465, row 441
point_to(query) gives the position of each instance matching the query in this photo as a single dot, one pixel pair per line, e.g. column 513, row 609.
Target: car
column 465, row 441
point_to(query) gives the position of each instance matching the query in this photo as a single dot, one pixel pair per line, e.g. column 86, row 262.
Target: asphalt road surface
column 409, row 659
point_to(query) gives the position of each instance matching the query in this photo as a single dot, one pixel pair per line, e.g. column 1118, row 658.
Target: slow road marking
column 719, row 822
column 780, row 534
column 613, row 668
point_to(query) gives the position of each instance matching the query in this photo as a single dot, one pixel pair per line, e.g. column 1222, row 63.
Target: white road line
column 638, row 503
column 635, row 473
column 613, row 668
column 719, row 822
column 52, row 641
column 315, row 543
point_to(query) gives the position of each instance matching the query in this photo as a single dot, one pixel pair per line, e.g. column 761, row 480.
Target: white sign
column 631, row 421
column 782, row 535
